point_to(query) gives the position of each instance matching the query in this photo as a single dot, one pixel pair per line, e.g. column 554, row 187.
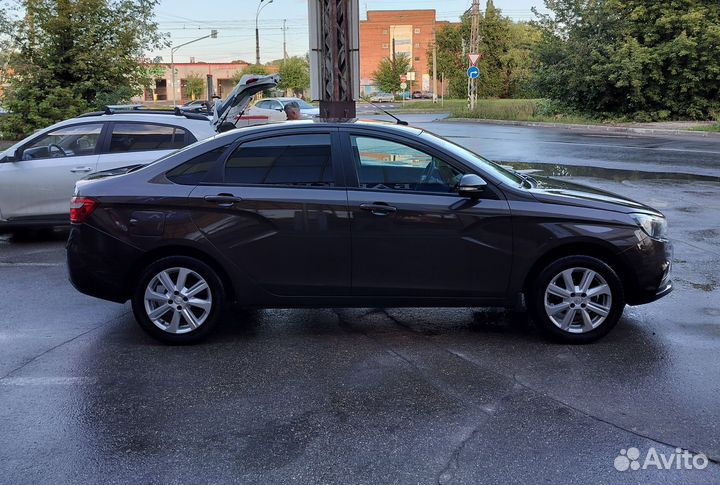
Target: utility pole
column 261, row 5
column 442, row 90
column 474, row 49
column 285, row 54
column 435, row 71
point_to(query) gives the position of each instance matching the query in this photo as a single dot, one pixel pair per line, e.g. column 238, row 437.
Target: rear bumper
column 99, row 265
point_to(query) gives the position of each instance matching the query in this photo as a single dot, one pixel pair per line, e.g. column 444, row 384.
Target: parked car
column 37, row 174
column 359, row 214
column 198, row 103
column 422, row 95
column 197, row 106
column 382, row 98
column 274, row 108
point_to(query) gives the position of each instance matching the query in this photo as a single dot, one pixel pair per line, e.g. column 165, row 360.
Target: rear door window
column 136, row 137
column 290, row 160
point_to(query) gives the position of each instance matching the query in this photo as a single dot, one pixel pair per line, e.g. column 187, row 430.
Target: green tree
column 295, row 74
column 71, row 56
column 640, row 59
column 258, row 69
column 387, row 75
column 517, row 63
column 505, row 49
column 194, row 85
column 494, row 46
column 450, row 59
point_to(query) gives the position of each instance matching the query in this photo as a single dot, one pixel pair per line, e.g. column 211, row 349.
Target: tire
column 568, row 316
column 192, row 313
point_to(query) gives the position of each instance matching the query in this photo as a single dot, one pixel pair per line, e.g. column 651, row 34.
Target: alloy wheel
column 578, row 300
column 178, row 300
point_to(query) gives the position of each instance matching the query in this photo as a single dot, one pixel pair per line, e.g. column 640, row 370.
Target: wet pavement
column 670, row 154
column 366, row 395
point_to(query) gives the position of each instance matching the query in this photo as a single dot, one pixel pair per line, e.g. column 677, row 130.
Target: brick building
column 222, row 81
column 412, row 32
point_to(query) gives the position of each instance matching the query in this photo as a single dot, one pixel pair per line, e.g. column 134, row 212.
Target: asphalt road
column 688, row 154
column 369, row 395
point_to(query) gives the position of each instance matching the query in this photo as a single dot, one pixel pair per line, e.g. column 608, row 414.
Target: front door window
column 67, row 141
column 387, row 165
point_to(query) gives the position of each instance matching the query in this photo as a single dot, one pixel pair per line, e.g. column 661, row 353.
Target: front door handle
column 378, row 208
column 223, row 200
column 81, row 169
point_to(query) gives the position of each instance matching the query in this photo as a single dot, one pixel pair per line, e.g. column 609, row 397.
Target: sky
column 185, row 20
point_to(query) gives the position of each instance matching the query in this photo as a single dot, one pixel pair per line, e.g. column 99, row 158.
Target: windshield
column 473, row 158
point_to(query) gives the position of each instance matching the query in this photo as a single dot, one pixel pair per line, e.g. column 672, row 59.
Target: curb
column 597, row 128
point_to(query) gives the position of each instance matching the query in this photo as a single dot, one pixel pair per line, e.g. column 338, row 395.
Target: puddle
column 558, row 170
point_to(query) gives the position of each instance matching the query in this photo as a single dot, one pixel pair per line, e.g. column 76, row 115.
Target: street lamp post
column 213, row 34
column 261, row 6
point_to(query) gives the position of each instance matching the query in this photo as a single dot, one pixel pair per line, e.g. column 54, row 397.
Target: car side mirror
column 471, row 185
column 8, row 156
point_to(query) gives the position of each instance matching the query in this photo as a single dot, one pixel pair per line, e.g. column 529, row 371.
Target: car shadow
column 36, row 235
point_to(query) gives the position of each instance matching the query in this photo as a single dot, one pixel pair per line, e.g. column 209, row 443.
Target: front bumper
column 650, row 263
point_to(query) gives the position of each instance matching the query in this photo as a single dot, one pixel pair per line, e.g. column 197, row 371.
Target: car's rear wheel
column 577, row 299
column 178, row 300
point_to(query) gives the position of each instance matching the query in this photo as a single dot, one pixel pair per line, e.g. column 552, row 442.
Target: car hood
column 240, row 97
column 551, row 190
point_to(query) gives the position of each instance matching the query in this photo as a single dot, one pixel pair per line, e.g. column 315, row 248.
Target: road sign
column 473, row 72
column 403, row 78
column 474, row 58
column 403, row 85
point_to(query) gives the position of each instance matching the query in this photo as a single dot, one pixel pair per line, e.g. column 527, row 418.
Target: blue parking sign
column 473, row 72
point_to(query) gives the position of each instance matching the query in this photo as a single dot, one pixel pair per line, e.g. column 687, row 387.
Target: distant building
column 411, row 32
column 222, row 74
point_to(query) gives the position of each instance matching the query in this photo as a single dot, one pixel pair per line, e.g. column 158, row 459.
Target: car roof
column 139, row 116
column 320, row 123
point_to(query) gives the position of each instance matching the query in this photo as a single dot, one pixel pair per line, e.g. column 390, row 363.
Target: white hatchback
column 37, row 174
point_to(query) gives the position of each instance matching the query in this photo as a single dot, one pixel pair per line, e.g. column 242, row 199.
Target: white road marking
column 46, row 381
column 4, row 264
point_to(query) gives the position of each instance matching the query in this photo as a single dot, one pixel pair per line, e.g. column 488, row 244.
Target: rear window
column 195, row 170
column 136, row 137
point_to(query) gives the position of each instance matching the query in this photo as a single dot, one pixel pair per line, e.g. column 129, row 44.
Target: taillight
column 80, row 209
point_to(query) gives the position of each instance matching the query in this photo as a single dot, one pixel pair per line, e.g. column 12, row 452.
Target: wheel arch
column 179, row 250
column 590, row 248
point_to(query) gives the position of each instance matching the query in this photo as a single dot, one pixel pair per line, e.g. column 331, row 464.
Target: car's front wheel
column 178, row 300
column 577, row 299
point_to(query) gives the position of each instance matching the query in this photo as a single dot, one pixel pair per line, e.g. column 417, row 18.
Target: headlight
column 653, row 226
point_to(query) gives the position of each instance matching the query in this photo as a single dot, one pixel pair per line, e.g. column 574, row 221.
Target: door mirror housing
column 471, row 185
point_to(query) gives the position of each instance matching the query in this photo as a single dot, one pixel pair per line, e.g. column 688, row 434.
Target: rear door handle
column 378, row 209
column 223, row 200
column 81, row 169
